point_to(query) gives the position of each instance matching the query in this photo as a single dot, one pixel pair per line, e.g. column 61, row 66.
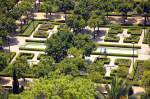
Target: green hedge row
column 38, row 41
column 11, row 56
column 24, row 27
column 123, row 62
column 41, row 34
column 111, row 38
column 30, row 29
column 132, row 38
column 119, row 45
column 46, row 26
column 115, row 54
column 27, row 55
column 103, row 59
column 31, row 49
column 147, row 37
column 135, row 31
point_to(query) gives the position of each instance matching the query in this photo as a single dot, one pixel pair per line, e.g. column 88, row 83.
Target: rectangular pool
column 116, row 50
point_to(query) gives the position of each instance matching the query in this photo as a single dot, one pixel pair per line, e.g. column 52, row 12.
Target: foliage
column 3, row 60
column 44, row 66
column 123, row 62
column 15, row 83
column 61, row 87
column 22, row 67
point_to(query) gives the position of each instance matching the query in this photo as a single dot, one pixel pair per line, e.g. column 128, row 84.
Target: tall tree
column 15, row 83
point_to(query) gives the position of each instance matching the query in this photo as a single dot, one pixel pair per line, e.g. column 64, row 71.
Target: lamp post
column 8, row 42
column 133, row 55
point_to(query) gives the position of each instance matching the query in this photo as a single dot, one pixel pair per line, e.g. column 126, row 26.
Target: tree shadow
column 4, row 81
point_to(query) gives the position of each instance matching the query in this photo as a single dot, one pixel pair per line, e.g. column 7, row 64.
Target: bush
column 132, row 38
column 111, row 38
column 30, row 29
column 41, row 34
column 103, row 59
column 123, row 62
column 11, row 56
column 31, row 49
column 147, row 37
column 122, row 71
column 27, row 55
column 115, row 30
column 134, row 31
column 40, row 56
column 46, row 26
column 37, row 41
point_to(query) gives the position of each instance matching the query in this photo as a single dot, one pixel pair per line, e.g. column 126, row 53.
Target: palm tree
column 118, row 89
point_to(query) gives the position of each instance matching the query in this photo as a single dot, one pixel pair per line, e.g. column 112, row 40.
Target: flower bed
column 29, row 30
column 40, row 34
column 27, row 55
column 135, row 31
column 46, row 26
column 111, row 38
column 103, row 59
column 123, row 62
column 139, row 70
column 115, row 30
column 147, row 37
column 132, row 38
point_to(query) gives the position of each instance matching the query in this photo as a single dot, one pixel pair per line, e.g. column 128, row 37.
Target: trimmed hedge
column 11, row 56
column 119, row 45
column 115, row 54
column 115, row 30
column 132, row 38
column 31, row 49
column 135, row 31
column 46, row 26
column 111, row 38
column 27, row 55
column 37, row 41
column 30, row 29
column 147, row 37
column 123, row 62
column 41, row 34
column 103, row 59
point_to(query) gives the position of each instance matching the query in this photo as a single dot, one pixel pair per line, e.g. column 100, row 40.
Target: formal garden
column 74, row 49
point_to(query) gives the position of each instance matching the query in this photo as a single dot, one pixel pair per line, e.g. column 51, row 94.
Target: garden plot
column 112, row 35
column 134, row 36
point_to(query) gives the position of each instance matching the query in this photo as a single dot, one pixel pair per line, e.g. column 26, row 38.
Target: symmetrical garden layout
column 115, row 44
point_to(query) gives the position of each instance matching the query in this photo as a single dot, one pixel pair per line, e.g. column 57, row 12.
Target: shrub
column 31, row 49
column 122, row 71
column 27, row 55
column 123, row 62
column 40, row 56
column 132, row 38
column 103, row 59
column 30, row 29
column 11, row 56
column 111, row 38
column 46, row 26
column 134, row 31
column 115, row 30
column 41, row 34
column 37, row 41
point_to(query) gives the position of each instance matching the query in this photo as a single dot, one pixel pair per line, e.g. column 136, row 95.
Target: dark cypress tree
column 15, row 83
